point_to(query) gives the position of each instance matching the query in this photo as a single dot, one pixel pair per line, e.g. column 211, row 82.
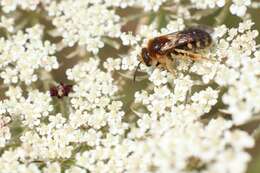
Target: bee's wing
column 173, row 37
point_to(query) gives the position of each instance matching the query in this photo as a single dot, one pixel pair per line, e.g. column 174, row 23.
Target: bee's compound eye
column 146, row 57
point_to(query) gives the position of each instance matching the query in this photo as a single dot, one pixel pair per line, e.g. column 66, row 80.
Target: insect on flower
column 61, row 90
column 183, row 44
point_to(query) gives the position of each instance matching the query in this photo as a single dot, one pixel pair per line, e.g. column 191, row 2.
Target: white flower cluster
column 43, row 138
column 93, row 100
column 185, row 143
column 24, row 53
column 5, row 134
column 11, row 158
column 84, row 22
column 172, row 100
column 240, row 72
column 206, row 69
column 112, row 64
column 119, row 3
column 11, row 5
column 147, row 5
column 171, row 144
column 7, row 23
column 204, row 4
column 236, row 47
column 238, row 7
column 163, row 101
column 150, row 4
column 50, row 136
column 182, row 123
column 37, row 106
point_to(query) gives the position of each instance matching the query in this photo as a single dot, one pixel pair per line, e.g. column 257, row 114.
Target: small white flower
column 129, row 39
column 174, row 26
column 220, row 31
column 207, row 70
column 150, row 4
column 182, row 86
column 92, row 137
column 27, row 53
column 75, row 169
column 7, row 23
column 226, row 75
column 112, row 64
column 202, row 4
column 57, row 121
column 239, row 7
column 158, row 77
column 239, row 139
column 72, row 25
column 206, row 98
column 52, row 168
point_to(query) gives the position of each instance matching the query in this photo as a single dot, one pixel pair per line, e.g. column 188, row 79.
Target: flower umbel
column 197, row 114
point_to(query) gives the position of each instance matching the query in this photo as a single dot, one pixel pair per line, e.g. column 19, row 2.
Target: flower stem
column 220, row 18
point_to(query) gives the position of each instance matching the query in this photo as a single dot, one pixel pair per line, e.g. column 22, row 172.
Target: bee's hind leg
column 191, row 55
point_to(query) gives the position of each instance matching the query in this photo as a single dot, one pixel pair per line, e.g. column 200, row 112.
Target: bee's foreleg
column 167, row 63
column 161, row 66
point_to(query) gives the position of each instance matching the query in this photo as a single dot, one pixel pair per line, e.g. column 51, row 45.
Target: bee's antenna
column 138, row 66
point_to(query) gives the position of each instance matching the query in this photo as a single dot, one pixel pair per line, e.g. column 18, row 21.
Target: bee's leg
column 161, row 66
column 160, row 63
column 170, row 66
column 167, row 63
column 191, row 55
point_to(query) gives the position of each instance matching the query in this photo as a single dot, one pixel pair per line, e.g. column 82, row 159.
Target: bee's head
column 145, row 57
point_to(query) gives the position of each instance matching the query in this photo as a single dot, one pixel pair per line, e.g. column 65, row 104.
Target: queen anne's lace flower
column 11, row 5
column 52, row 168
column 195, row 143
column 150, row 4
column 158, row 77
column 23, row 54
column 102, row 121
column 204, row 4
column 75, row 169
column 112, row 64
column 85, row 23
column 37, row 104
column 7, row 23
column 239, row 7
column 92, row 97
column 236, row 74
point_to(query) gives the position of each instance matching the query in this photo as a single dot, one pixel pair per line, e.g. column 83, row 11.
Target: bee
column 183, row 43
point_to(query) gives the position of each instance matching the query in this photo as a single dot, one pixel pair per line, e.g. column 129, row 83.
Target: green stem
column 223, row 14
column 62, row 106
column 161, row 19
